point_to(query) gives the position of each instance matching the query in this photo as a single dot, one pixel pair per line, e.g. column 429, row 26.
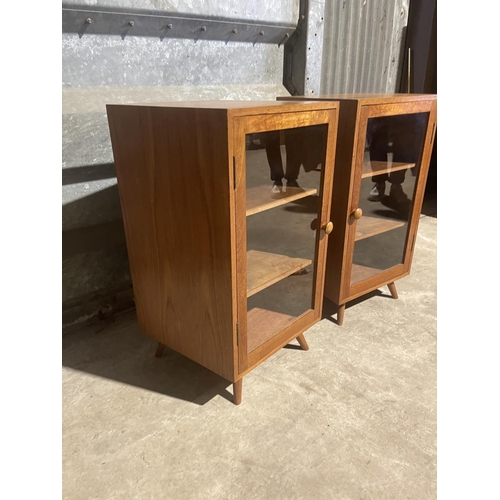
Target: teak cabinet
column 226, row 233
column 383, row 153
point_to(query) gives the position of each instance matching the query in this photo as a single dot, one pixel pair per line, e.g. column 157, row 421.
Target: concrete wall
column 111, row 68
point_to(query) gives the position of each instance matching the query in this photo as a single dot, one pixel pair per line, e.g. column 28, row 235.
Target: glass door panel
column 284, row 172
column 391, row 166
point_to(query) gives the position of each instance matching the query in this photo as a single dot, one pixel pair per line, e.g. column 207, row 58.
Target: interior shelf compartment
column 381, row 167
column 259, row 198
column 264, row 269
column 371, row 226
column 361, row 273
column 263, row 324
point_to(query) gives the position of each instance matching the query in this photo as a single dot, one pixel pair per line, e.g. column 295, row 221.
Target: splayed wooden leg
column 159, row 350
column 392, row 289
column 340, row 314
column 237, row 388
column 302, row 342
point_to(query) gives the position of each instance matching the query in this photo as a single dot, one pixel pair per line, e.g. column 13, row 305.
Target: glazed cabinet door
column 283, row 166
column 392, row 154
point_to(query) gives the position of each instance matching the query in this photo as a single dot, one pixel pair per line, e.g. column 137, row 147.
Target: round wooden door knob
column 357, row 213
column 328, row 228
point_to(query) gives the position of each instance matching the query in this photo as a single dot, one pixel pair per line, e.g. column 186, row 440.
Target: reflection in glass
column 391, row 166
column 283, row 176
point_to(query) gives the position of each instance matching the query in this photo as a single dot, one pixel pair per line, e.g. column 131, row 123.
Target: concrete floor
column 352, row 418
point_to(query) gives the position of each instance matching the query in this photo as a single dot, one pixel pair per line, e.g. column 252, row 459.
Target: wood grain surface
column 363, row 98
column 259, row 197
column 371, row 226
column 250, row 356
column 381, row 167
column 264, row 324
column 264, row 269
column 174, row 178
column 184, row 206
column 355, row 110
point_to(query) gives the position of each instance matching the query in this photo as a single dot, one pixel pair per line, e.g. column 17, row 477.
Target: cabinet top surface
column 366, row 98
column 241, row 108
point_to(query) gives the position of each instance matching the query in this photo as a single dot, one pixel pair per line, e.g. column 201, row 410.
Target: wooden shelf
column 263, row 325
column 370, row 226
column 264, row 269
column 361, row 273
column 381, row 167
column 260, row 198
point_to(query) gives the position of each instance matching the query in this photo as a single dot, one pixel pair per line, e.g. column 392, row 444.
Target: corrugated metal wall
column 362, row 45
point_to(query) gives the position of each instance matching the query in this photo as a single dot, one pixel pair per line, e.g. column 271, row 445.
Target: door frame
column 374, row 111
column 264, row 123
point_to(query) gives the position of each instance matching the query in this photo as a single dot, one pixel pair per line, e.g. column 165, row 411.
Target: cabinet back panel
column 174, row 179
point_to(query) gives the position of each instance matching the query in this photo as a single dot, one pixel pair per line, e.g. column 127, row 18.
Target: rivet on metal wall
column 167, row 27
column 287, row 35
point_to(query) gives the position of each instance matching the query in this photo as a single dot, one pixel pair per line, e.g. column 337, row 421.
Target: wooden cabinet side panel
column 131, row 139
column 174, row 178
column 339, row 214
